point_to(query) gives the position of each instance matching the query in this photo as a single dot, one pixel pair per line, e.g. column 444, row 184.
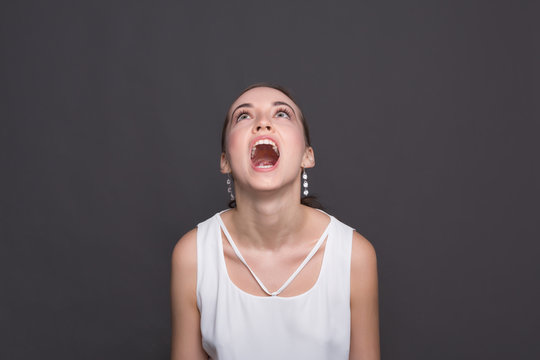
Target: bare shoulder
column 184, row 262
column 363, row 268
column 184, row 268
column 364, row 300
column 186, row 340
column 362, row 252
column 185, row 251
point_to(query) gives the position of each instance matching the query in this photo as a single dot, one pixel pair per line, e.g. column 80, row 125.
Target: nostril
column 267, row 127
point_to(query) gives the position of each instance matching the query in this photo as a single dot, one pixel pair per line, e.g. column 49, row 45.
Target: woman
column 272, row 278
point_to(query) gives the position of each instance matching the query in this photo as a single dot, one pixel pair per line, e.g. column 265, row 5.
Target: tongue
column 264, row 156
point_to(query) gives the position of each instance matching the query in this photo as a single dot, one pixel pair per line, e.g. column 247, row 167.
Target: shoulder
column 184, row 254
column 364, row 300
column 362, row 252
column 363, row 266
column 184, row 270
column 186, row 340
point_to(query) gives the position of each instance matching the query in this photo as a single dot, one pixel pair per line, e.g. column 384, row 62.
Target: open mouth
column 264, row 154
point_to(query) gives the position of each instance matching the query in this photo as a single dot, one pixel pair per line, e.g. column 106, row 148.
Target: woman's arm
column 186, row 340
column 364, row 301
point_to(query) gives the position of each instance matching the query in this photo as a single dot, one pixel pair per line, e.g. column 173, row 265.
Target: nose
column 259, row 127
column 262, row 125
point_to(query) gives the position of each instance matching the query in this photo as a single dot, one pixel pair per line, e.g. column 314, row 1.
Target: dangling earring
column 305, row 183
column 229, row 187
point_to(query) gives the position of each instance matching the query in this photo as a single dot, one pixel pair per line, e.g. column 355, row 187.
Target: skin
column 272, row 230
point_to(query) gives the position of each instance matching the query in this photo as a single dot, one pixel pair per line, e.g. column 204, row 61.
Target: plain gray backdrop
column 424, row 121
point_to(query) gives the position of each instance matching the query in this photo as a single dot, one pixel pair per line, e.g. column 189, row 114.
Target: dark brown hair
column 309, row 200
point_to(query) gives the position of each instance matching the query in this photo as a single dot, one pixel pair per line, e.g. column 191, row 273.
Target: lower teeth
column 264, row 166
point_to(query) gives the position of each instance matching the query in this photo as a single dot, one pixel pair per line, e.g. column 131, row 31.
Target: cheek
column 297, row 139
column 234, row 144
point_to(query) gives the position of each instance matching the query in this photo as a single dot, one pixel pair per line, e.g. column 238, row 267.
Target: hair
column 309, row 200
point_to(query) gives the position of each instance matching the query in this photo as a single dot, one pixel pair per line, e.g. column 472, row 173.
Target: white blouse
column 238, row 325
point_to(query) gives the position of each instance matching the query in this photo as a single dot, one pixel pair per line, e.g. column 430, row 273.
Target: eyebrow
column 284, row 103
column 241, row 106
column 274, row 104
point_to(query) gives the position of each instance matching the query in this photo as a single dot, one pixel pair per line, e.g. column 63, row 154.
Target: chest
column 273, row 269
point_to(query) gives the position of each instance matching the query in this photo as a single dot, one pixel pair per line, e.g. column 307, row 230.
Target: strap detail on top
column 293, row 276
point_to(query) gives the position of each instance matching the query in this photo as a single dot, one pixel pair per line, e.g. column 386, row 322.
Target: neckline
column 325, row 235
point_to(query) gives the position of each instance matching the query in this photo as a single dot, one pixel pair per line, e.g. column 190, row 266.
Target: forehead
column 262, row 96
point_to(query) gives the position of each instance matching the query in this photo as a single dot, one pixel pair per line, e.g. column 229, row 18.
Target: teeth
column 264, row 142
column 264, row 166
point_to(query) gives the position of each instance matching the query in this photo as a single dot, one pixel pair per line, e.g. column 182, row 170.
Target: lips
column 264, row 153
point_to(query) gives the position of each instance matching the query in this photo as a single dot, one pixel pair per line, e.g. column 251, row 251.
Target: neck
column 268, row 220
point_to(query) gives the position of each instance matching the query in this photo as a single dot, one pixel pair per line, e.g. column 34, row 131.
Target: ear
column 224, row 165
column 309, row 158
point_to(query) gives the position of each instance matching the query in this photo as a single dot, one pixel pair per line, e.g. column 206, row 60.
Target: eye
column 242, row 116
column 284, row 113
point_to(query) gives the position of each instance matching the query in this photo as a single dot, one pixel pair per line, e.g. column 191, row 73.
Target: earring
column 229, row 187
column 305, row 183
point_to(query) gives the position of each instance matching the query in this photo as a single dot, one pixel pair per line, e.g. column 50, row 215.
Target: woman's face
column 265, row 144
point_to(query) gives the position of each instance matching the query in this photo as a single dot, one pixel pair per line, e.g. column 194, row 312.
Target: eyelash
column 244, row 112
column 284, row 110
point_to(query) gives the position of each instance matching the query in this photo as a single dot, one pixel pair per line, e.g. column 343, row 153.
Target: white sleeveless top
column 237, row 325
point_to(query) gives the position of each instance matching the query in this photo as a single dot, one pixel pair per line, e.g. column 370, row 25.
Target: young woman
column 272, row 278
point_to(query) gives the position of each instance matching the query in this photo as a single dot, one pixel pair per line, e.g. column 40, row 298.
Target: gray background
column 424, row 119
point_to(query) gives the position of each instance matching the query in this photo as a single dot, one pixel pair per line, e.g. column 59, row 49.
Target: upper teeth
column 264, row 142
